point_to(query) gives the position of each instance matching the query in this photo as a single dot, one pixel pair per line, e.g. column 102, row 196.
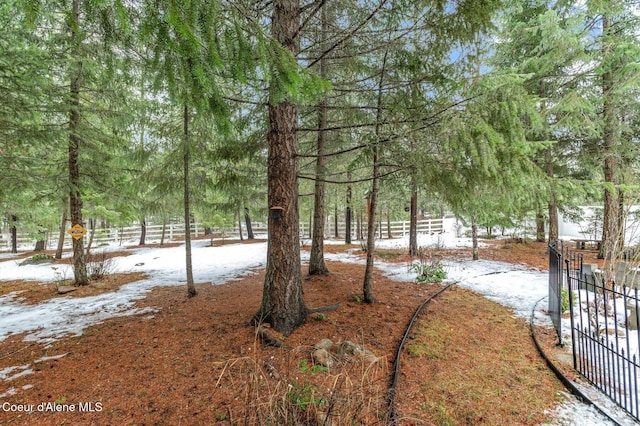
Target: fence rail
column 605, row 327
column 172, row 232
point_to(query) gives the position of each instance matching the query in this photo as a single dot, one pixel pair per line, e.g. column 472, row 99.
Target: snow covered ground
column 511, row 285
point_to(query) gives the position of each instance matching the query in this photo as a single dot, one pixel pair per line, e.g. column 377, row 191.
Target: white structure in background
column 590, row 227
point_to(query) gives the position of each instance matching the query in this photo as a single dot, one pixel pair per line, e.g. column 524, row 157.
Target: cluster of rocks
column 325, row 352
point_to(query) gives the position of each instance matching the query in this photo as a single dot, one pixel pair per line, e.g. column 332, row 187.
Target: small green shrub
column 304, row 395
column 429, row 272
column 564, row 300
column 313, row 368
column 36, row 259
column 320, row 317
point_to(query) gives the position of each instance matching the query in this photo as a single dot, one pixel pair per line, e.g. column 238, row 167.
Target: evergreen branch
column 344, row 182
column 348, row 36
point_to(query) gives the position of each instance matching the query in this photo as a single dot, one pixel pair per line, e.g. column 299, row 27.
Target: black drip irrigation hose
column 391, row 419
column 568, row 384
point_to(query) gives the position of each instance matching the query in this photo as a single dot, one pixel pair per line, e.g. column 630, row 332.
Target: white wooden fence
column 130, row 235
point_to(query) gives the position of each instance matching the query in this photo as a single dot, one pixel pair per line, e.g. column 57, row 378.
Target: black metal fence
column 605, row 323
column 605, row 344
column 561, row 262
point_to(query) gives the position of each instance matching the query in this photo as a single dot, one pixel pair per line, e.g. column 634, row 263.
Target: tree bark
column 367, row 286
column 335, row 222
column 14, row 234
column 40, row 241
column 143, row 231
column 317, row 265
column 75, row 197
column 191, row 288
column 553, row 202
column 413, row 223
column 92, row 234
column 282, row 304
column 247, row 222
column 240, row 226
column 540, row 231
column 347, row 215
column 474, row 238
column 61, row 235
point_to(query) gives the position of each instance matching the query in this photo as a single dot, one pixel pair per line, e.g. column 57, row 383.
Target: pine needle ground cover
column 197, row 361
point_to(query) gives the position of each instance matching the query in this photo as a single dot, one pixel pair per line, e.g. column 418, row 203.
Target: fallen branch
column 324, row 309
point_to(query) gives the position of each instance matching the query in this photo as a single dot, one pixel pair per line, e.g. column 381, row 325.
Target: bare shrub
column 99, row 265
column 288, row 392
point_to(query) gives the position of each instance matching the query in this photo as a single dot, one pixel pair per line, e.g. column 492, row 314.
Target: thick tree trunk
column 347, row 215
column 40, row 241
column 413, row 223
column 247, row 222
column 191, row 288
column 282, row 304
column 610, row 220
column 61, row 235
column 14, row 233
column 75, row 197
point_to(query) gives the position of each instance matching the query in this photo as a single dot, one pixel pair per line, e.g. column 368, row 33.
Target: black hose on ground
column 391, row 418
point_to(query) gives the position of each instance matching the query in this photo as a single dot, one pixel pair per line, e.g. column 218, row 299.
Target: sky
column 515, row 286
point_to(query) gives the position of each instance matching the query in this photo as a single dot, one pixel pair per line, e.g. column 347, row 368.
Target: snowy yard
column 511, row 285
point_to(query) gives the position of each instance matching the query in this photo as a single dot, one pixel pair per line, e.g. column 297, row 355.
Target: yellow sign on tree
column 77, row 231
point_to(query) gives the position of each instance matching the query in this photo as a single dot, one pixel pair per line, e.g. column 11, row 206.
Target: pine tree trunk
column 240, row 226
column 282, row 304
column 75, row 198
column 247, row 221
column 610, row 218
column 347, row 215
column 474, row 238
column 553, row 218
column 553, row 203
column 14, row 233
column 413, row 223
column 164, row 231
column 143, row 232
column 540, row 231
column 191, row 288
column 40, row 241
column 621, row 219
column 92, row 234
column 317, row 265
column 61, row 235
column 367, row 286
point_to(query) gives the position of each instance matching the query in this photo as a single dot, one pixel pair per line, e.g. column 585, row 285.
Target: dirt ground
column 197, row 361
